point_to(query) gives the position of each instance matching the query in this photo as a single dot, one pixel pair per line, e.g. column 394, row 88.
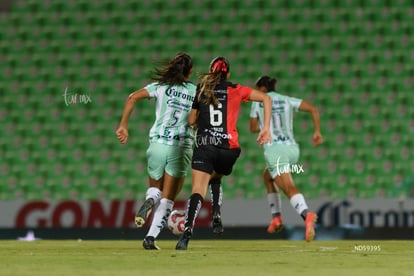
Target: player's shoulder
column 154, row 87
column 275, row 94
column 227, row 84
column 231, row 84
column 153, row 84
column 285, row 99
column 279, row 95
column 190, row 85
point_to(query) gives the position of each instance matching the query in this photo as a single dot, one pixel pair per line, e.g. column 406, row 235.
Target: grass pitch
column 207, row 257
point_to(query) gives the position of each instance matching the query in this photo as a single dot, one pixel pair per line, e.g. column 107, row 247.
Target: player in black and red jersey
column 215, row 113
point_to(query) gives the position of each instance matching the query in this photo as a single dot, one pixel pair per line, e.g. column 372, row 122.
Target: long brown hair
column 219, row 68
column 175, row 71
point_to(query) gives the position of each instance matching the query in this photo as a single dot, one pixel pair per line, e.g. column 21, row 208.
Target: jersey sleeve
column 254, row 110
column 295, row 103
column 244, row 91
column 152, row 89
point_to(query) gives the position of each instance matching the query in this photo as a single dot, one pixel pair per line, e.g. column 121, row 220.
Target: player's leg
column 285, row 183
column 216, row 196
column 200, row 181
column 202, row 168
column 177, row 164
column 297, row 200
column 222, row 166
column 156, row 163
column 152, row 198
column 275, row 202
column 172, row 186
column 288, row 155
column 199, row 188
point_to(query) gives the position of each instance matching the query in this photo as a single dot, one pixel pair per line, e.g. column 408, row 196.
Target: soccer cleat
column 217, row 225
column 182, row 244
column 143, row 212
column 310, row 221
column 149, row 243
column 276, row 225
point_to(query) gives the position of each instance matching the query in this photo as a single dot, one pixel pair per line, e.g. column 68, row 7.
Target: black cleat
column 143, row 212
column 217, row 225
column 149, row 243
column 182, row 244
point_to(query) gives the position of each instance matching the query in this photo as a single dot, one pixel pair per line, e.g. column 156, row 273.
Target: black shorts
column 209, row 158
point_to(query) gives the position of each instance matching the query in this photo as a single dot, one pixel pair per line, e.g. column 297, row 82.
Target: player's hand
column 263, row 137
column 317, row 139
column 122, row 135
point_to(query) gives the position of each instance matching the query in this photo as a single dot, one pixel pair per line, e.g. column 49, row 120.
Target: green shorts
column 173, row 160
column 281, row 158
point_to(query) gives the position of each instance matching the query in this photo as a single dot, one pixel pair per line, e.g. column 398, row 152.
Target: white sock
column 153, row 193
column 160, row 217
column 298, row 203
column 275, row 203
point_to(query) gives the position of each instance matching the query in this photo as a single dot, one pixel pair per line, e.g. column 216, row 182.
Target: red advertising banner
column 89, row 214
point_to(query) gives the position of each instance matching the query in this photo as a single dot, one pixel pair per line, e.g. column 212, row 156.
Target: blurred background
column 66, row 68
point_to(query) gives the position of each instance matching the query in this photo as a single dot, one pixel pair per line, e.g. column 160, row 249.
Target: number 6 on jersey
column 216, row 116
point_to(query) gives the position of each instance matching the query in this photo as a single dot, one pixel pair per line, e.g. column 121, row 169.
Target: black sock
column 216, row 194
column 278, row 214
column 303, row 214
column 193, row 206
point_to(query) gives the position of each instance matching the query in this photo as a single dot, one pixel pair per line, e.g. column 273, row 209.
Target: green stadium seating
column 353, row 60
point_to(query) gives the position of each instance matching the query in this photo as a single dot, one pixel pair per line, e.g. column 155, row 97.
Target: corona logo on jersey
column 172, row 92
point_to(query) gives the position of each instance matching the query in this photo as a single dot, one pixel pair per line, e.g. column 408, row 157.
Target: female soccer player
column 215, row 112
column 171, row 139
column 283, row 153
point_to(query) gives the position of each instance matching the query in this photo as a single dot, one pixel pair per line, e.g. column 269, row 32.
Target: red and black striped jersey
column 217, row 125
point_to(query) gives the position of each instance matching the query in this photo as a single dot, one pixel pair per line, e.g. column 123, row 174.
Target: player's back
column 173, row 105
column 221, row 121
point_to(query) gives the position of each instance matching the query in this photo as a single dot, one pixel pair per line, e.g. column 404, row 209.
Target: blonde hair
column 207, row 85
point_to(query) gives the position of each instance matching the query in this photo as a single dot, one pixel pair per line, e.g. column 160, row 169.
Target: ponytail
column 219, row 68
column 207, row 85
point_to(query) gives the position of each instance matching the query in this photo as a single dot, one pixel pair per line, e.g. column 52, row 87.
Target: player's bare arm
column 264, row 134
column 308, row 107
column 192, row 118
column 122, row 131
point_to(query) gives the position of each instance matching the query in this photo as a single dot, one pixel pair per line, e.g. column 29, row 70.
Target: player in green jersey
column 283, row 153
column 170, row 140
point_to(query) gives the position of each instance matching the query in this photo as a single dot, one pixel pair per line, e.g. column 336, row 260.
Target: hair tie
column 219, row 66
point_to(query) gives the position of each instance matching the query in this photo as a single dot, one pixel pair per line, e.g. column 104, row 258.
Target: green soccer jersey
column 173, row 104
column 281, row 127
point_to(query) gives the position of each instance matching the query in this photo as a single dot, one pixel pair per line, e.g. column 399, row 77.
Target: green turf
column 205, row 257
